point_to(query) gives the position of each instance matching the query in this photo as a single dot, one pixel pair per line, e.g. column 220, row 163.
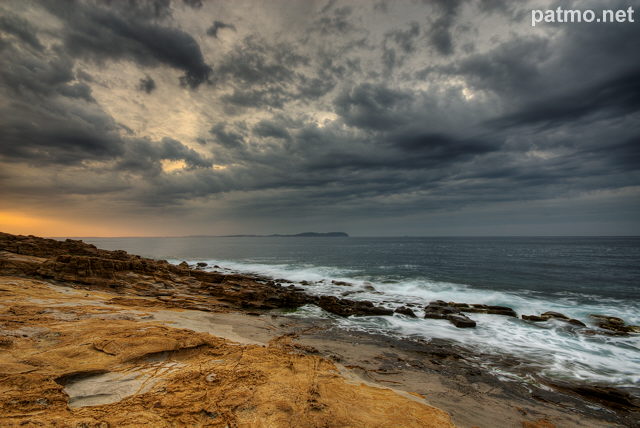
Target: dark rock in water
column 534, row 318
column 553, row 315
column 305, row 283
column 345, row 308
column 435, row 315
column 367, row 286
column 442, row 310
column 473, row 308
column 558, row 315
column 500, row 310
column 202, row 264
column 576, row 322
column 614, row 324
column 342, row 283
column 459, row 305
column 461, row 321
column 405, row 311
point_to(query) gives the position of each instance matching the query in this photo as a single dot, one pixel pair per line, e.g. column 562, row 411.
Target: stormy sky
column 435, row 117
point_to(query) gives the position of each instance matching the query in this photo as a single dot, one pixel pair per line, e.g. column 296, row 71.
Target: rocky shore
column 86, row 340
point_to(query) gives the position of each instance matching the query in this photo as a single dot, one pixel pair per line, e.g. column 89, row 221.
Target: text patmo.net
column 561, row 15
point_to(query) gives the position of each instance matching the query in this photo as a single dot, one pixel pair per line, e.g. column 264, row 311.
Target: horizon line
column 350, row 236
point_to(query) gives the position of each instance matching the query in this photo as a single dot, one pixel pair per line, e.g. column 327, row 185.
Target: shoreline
column 438, row 373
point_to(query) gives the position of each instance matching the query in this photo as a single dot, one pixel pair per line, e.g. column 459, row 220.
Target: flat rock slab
column 111, row 387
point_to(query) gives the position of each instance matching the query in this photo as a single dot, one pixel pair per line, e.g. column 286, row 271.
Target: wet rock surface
column 610, row 325
column 84, row 264
column 454, row 312
column 614, row 324
column 405, row 311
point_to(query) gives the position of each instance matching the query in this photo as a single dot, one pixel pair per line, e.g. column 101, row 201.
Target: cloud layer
column 433, row 117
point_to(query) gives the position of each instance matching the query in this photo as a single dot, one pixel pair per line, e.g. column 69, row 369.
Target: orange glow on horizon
column 26, row 224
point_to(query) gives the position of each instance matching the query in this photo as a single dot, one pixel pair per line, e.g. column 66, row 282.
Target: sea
column 576, row 276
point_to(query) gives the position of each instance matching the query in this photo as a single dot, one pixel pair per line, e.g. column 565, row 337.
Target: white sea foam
column 553, row 347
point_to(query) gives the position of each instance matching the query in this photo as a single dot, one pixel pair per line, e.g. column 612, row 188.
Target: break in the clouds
column 406, row 117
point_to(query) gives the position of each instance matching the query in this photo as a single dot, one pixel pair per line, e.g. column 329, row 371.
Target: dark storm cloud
column 21, row 29
column 267, row 75
column 147, row 84
column 335, row 21
column 143, row 156
column 335, row 118
column 267, row 128
column 217, row 26
column 229, row 139
column 128, row 32
column 372, row 106
column 618, row 96
column 511, row 69
column 196, row 4
column 405, row 39
column 440, row 29
column 440, row 147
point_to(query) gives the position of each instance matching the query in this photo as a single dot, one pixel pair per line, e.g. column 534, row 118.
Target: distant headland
column 297, row 235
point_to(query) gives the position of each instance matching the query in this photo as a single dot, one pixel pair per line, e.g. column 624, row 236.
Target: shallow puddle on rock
column 111, row 387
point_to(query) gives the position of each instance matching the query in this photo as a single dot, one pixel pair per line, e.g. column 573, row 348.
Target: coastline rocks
column 342, row 283
column 534, row 318
column 479, row 308
column 576, row 322
column 557, row 315
column 453, row 311
column 611, row 397
column 405, row 311
column 345, row 307
column 443, row 310
column 461, row 321
column 615, row 324
column 553, row 315
column 487, row 309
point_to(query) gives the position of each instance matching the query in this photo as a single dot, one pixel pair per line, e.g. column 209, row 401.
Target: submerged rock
column 405, row 311
column 576, row 322
column 534, row 318
column 558, row 315
column 615, row 324
column 555, row 316
column 442, row 310
column 346, row 308
column 461, row 321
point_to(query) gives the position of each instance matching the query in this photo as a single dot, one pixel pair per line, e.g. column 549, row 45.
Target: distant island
column 297, row 235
